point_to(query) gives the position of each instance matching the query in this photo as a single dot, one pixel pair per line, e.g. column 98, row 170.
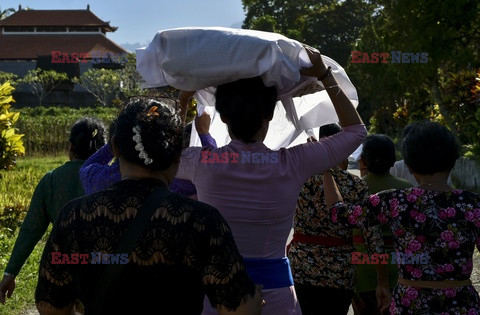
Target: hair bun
column 87, row 135
column 149, row 132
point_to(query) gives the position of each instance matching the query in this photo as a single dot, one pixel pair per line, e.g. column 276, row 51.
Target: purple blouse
column 96, row 174
column 257, row 197
column 255, row 189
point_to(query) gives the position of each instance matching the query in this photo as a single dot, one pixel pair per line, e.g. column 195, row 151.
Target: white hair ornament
column 142, row 154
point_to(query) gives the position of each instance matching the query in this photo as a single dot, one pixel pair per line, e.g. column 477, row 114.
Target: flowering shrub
column 461, row 102
column 11, row 145
column 458, row 108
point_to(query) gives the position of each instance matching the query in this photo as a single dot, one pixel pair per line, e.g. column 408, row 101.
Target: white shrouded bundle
column 199, row 59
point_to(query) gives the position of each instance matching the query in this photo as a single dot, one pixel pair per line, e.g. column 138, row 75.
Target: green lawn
column 16, row 188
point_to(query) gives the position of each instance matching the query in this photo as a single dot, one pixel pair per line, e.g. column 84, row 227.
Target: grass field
column 47, row 129
column 16, row 188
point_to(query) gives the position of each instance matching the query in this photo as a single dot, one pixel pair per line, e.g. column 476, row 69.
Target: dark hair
column 246, row 103
column 159, row 128
column 406, row 130
column 378, row 153
column 429, row 148
column 87, row 135
column 329, row 130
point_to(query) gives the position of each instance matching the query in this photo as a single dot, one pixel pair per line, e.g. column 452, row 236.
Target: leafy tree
column 265, row 23
column 461, row 92
column 43, row 82
column 333, row 26
column 449, row 31
column 11, row 145
column 130, row 78
column 103, row 84
column 9, row 77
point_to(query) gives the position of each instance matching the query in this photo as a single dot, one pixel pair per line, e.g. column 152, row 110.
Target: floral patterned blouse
column 442, row 227
column 316, row 264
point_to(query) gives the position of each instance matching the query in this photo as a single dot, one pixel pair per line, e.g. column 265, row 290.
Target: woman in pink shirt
column 256, row 188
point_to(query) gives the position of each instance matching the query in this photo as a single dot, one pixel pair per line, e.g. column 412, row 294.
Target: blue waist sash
column 271, row 273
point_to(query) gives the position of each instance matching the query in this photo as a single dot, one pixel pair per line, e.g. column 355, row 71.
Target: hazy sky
column 139, row 20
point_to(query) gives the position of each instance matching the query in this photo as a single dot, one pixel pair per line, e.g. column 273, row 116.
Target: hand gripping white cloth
column 199, row 59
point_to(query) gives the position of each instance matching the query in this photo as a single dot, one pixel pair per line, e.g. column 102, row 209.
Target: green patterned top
column 54, row 190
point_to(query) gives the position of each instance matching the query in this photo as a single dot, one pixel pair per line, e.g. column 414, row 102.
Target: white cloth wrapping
column 199, row 59
column 355, row 156
column 193, row 58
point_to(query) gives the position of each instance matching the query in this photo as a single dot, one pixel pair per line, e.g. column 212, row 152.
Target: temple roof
column 24, row 47
column 56, row 18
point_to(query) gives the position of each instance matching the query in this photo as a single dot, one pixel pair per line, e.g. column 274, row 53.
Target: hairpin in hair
column 153, row 111
column 142, row 154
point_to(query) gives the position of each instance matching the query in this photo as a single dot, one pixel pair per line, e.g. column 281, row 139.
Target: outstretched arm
column 346, row 112
column 33, row 227
column 312, row 158
column 183, row 99
column 202, row 125
column 332, row 196
column 330, row 188
column 96, row 173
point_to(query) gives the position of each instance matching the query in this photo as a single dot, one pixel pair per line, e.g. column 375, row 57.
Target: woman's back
column 256, row 190
column 442, row 228
column 62, row 185
column 256, row 199
column 435, row 233
column 174, row 253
